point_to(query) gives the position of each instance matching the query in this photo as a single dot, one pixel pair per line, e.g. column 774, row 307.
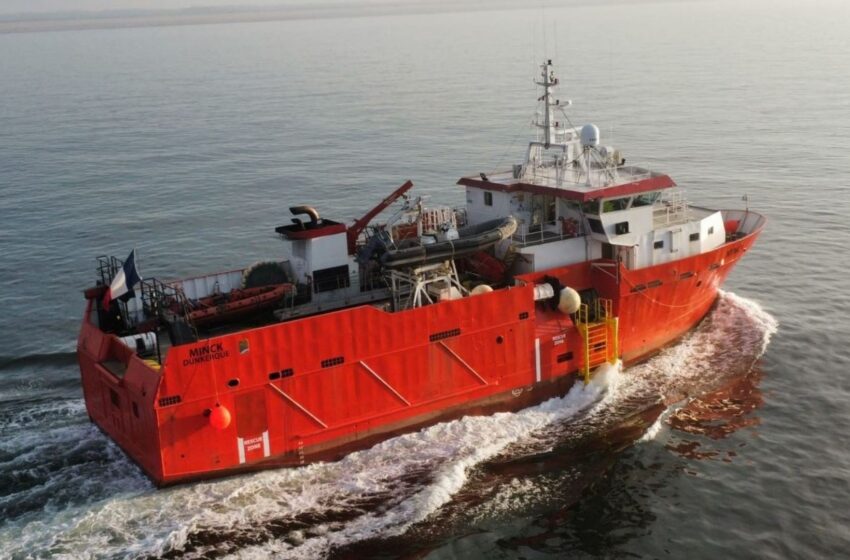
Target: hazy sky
column 40, row 6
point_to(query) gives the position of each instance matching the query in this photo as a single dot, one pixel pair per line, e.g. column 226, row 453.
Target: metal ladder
column 167, row 303
column 600, row 334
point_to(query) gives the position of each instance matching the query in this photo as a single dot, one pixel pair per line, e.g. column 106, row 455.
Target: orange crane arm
column 355, row 230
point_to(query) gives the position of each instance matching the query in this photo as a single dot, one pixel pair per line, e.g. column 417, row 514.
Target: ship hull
column 319, row 387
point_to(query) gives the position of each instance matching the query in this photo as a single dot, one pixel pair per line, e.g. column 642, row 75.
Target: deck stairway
column 599, row 332
column 171, row 306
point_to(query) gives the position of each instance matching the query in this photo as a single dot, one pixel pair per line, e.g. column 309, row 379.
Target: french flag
column 122, row 285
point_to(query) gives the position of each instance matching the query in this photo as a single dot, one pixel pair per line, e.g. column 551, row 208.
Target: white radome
column 590, row 135
column 480, row 289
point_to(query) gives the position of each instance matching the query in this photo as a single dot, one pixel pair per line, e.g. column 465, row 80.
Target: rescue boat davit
column 568, row 260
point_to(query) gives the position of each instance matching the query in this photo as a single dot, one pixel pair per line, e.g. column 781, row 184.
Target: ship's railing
column 372, row 289
column 596, row 311
column 131, row 310
column 167, row 303
column 671, row 209
column 373, row 280
column 546, row 175
column 107, row 268
column 198, row 287
column 546, row 233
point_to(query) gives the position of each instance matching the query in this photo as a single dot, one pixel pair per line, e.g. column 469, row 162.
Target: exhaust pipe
column 309, row 210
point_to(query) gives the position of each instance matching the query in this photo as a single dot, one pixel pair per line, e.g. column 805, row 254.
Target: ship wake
column 90, row 501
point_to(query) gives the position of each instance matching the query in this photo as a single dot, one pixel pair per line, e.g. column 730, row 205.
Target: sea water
column 190, row 143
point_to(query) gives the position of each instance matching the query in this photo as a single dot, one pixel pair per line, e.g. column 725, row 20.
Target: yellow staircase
column 599, row 332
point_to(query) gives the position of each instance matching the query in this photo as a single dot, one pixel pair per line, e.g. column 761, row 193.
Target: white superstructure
column 575, row 199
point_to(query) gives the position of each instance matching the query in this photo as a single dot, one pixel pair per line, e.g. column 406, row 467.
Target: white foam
column 657, row 427
column 53, row 412
column 513, row 497
column 726, row 344
column 452, row 449
column 141, row 521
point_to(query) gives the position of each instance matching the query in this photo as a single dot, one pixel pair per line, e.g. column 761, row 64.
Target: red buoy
column 219, row 417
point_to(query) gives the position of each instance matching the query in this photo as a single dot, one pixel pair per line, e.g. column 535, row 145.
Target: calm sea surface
column 190, row 143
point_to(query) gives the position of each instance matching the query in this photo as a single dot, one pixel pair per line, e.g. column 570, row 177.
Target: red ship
column 567, row 261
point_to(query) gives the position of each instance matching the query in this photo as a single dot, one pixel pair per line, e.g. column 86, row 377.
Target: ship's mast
column 549, row 124
column 550, row 133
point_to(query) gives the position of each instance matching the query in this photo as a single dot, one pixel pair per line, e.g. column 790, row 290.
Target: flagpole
column 156, row 324
column 156, row 340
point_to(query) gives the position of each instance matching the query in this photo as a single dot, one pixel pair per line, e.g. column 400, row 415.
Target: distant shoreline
column 75, row 21
column 161, row 18
column 47, row 25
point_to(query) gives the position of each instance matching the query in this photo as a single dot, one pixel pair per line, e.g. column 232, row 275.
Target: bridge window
column 658, row 244
column 488, row 198
column 596, row 226
column 615, row 204
column 590, row 207
column 695, row 236
column 646, row 199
